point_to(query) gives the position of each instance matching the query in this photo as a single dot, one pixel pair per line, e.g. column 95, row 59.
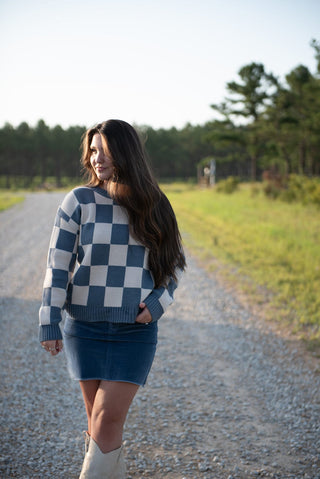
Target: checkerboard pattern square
column 96, row 270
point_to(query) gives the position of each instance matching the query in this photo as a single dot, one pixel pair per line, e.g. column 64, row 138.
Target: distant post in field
column 212, row 177
column 206, row 172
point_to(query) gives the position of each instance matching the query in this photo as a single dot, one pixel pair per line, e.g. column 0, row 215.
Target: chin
column 101, row 177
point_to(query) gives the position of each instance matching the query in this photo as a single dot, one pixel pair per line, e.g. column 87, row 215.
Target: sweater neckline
column 101, row 191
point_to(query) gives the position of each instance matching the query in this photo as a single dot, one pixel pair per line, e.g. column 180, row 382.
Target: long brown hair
column 134, row 187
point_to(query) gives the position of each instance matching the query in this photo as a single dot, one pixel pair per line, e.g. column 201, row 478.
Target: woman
column 114, row 259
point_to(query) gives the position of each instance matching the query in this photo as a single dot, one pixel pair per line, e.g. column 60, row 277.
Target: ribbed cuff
column 155, row 308
column 49, row 332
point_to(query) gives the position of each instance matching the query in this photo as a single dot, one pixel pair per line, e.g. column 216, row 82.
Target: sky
column 160, row 63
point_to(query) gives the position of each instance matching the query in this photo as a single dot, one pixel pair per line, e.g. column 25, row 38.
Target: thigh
column 113, row 399
column 89, row 389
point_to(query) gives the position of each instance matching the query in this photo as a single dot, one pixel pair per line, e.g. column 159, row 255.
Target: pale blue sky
column 160, row 63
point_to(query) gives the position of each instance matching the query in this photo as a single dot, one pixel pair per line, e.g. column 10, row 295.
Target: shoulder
column 83, row 194
column 80, row 195
column 76, row 197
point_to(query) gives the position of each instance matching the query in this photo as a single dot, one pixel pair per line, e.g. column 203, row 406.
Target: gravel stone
column 226, row 398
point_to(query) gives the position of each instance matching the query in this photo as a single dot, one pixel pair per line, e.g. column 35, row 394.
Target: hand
column 54, row 347
column 144, row 317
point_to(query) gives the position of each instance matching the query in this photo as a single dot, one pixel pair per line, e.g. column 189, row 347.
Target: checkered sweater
column 96, row 270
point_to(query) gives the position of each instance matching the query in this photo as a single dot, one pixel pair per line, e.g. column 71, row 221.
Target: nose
column 100, row 157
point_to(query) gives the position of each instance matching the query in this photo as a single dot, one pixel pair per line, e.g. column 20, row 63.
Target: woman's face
column 100, row 159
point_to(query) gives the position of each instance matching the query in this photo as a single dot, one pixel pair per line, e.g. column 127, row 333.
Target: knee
column 106, row 418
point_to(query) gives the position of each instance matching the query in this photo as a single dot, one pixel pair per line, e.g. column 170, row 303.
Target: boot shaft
column 97, row 465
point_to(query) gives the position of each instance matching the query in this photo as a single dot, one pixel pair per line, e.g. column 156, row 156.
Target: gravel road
column 226, row 398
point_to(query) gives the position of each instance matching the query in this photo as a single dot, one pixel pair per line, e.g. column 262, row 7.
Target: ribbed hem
column 92, row 313
column 49, row 332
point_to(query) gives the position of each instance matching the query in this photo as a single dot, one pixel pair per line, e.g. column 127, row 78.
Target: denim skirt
column 110, row 351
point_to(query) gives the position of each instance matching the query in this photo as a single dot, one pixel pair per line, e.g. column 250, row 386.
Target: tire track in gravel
column 226, row 398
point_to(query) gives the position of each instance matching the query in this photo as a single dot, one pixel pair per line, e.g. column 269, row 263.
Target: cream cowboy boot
column 97, row 465
column 86, row 437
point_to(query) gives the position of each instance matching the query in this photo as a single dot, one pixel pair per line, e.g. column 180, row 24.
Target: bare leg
column 107, row 407
column 89, row 390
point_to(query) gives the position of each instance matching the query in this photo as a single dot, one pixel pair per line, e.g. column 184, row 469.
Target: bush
column 315, row 195
column 303, row 189
column 273, row 183
column 229, row 185
column 271, row 189
column 294, row 188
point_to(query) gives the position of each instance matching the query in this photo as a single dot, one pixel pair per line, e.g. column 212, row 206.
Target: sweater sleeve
column 60, row 265
column 160, row 298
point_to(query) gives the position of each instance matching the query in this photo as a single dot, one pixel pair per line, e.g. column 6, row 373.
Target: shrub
column 228, row 185
column 302, row 188
column 271, row 189
column 315, row 195
column 273, row 183
column 294, row 188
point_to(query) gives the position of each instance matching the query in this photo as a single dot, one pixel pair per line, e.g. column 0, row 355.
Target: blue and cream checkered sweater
column 96, row 270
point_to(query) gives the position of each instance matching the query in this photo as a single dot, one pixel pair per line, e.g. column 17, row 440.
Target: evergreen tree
column 248, row 102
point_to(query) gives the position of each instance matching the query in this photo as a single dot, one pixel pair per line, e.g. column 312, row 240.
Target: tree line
column 263, row 124
column 29, row 156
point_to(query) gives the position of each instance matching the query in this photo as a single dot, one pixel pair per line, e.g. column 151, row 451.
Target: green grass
column 17, row 183
column 8, row 199
column 270, row 250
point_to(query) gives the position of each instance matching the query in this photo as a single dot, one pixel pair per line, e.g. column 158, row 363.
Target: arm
column 60, row 265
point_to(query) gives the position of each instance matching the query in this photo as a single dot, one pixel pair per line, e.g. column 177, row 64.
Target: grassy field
column 8, row 199
column 268, row 249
